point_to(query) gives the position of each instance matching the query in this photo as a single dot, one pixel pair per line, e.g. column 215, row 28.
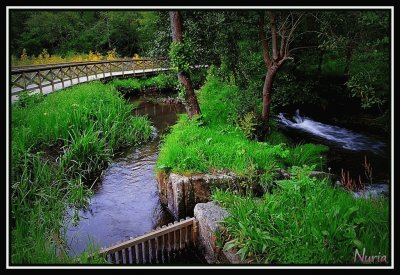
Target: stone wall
column 181, row 193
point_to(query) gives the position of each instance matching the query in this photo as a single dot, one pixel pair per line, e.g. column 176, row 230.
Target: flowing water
column 126, row 201
column 348, row 149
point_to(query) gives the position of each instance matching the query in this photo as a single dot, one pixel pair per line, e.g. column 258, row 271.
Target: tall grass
column 304, row 221
column 58, row 144
column 190, row 148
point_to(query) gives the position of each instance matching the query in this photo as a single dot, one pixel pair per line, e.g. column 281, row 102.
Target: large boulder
column 209, row 216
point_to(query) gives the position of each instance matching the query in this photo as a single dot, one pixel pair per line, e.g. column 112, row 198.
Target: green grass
column 191, row 149
column 58, row 145
column 161, row 81
column 304, row 221
column 217, row 143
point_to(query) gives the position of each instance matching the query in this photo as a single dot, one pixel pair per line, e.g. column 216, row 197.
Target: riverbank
column 60, row 143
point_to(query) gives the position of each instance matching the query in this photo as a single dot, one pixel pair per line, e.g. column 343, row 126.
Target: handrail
column 156, row 246
column 34, row 68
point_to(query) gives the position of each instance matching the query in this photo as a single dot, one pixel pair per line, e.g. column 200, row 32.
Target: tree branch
column 264, row 43
column 282, row 51
column 305, row 47
column 294, row 26
column 273, row 32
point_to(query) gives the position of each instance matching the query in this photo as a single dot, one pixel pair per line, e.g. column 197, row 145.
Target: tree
column 178, row 57
column 280, row 54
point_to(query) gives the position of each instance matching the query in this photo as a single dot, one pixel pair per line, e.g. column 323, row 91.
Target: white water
column 340, row 136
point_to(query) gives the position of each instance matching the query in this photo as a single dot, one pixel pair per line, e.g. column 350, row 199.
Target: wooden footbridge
column 157, row 247
column 52, row 77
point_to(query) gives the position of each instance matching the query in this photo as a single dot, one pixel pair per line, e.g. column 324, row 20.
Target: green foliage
column 362, row 85
column 308, row 154
column 25, row 99
column 219, row 101
column 288, row 90
column 304, row 221
column 248, row 125
column 161, row 81
column 181, row 55
column 57, row 145
column 61, row 32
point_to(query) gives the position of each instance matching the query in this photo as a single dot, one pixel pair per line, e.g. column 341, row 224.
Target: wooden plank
column 159, row 249
column 62, row 77
column 176, row 238
column 126, row 255
column 70, row 75
column 189, row 233
column 148, row 236
column 181, row 237
column 133, row 255
column 86, row 71
column 119, row 261
column 140, row 253
column 146, row 252
column 52, row 80
column 194, row 232
column 40, row 82
column 24, row 81
column 153, row 251
column 164, row 246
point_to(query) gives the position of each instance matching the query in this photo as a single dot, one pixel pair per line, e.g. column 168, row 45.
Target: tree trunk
column 192, row 105
column 269, row 80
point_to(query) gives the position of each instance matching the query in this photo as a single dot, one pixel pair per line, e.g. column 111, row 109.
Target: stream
column 126, row 201
column 348, row 149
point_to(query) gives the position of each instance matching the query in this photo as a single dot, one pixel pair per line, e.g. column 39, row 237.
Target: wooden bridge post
column 70, row 75
column 40, row 82
column 52, row 79
column 24, row 80
column 194, row 232
column 86, row 72
column 133, row 254
column 62, row 77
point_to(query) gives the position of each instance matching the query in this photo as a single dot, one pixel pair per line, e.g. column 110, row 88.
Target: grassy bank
column 302, row 220
column 219, row 142
column 59, row 144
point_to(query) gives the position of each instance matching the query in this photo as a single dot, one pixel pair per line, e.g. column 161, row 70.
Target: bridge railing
column 37, row 77
column 155, row 247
